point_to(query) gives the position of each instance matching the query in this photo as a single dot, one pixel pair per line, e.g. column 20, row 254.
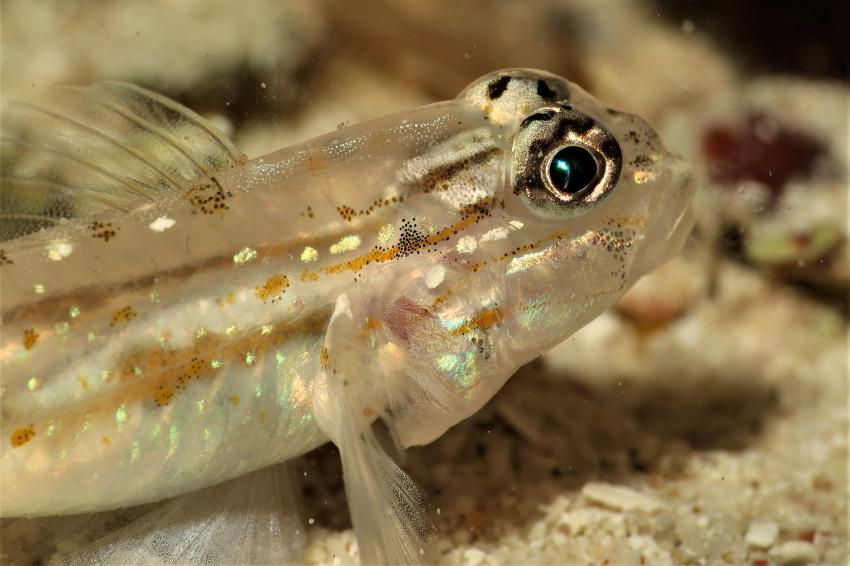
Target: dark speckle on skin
column 544, row 91
column 642, row 161
column 497, row 87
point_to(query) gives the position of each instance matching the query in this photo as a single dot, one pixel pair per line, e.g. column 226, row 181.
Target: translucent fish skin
column 118, row 320
column 403, row 268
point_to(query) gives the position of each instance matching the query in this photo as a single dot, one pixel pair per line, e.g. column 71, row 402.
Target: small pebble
column 762, row 534
column 794, row 552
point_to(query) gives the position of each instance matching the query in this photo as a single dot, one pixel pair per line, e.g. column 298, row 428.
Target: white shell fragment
column 620, row 498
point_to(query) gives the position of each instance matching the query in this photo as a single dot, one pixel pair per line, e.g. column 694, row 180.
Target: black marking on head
column 544, row 91
column 538, row 117
column 610, row 148
column 581, row 125
column 497, row 87
column 536, row 148
column 444, row 174
column 561, row 129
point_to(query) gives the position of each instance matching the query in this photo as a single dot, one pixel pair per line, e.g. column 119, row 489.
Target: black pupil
column 572, row 169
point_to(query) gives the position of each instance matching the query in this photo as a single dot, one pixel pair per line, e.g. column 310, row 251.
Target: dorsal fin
column 80, row 151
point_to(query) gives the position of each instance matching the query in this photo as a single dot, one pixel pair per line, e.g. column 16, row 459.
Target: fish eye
column 572, row 170
column 563, row 162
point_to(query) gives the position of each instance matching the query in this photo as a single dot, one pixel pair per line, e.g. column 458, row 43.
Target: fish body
column 175, row 315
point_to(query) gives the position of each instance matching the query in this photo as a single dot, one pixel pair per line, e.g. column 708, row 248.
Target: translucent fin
column 387, row 508
column 80, row 151
column 386, row 505
column 250, row 520
column 421, row 408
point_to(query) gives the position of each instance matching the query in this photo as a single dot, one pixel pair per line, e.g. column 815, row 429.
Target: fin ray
column 58, row 155
column 140, row 122
column 109, row 146
column 188, row 115
column 112, row 140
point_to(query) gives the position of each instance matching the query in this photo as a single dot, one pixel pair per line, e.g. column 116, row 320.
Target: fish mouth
column 669, row 234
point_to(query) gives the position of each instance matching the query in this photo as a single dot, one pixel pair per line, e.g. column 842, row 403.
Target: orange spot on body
column 163, row 395
column 370, row 325
column 325, row 358
column 483, row 320
column 273, row 288
column 164, row 374
column 102, row 230
column 30, row 338
column 196, row 366
column 234, row 400
column 264, row 416
column 105, row 440
column 381, row 255
column 123, row 315
column 22, row 435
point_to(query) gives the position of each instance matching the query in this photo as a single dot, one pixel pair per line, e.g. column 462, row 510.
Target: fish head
column 592, row 200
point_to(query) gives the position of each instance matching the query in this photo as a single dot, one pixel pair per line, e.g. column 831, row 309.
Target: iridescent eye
column 563, row 162
column 572, row 170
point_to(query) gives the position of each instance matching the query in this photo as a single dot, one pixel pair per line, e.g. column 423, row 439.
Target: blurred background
column 704, row 419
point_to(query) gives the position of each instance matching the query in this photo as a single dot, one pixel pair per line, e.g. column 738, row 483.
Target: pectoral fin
column 387, row 508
